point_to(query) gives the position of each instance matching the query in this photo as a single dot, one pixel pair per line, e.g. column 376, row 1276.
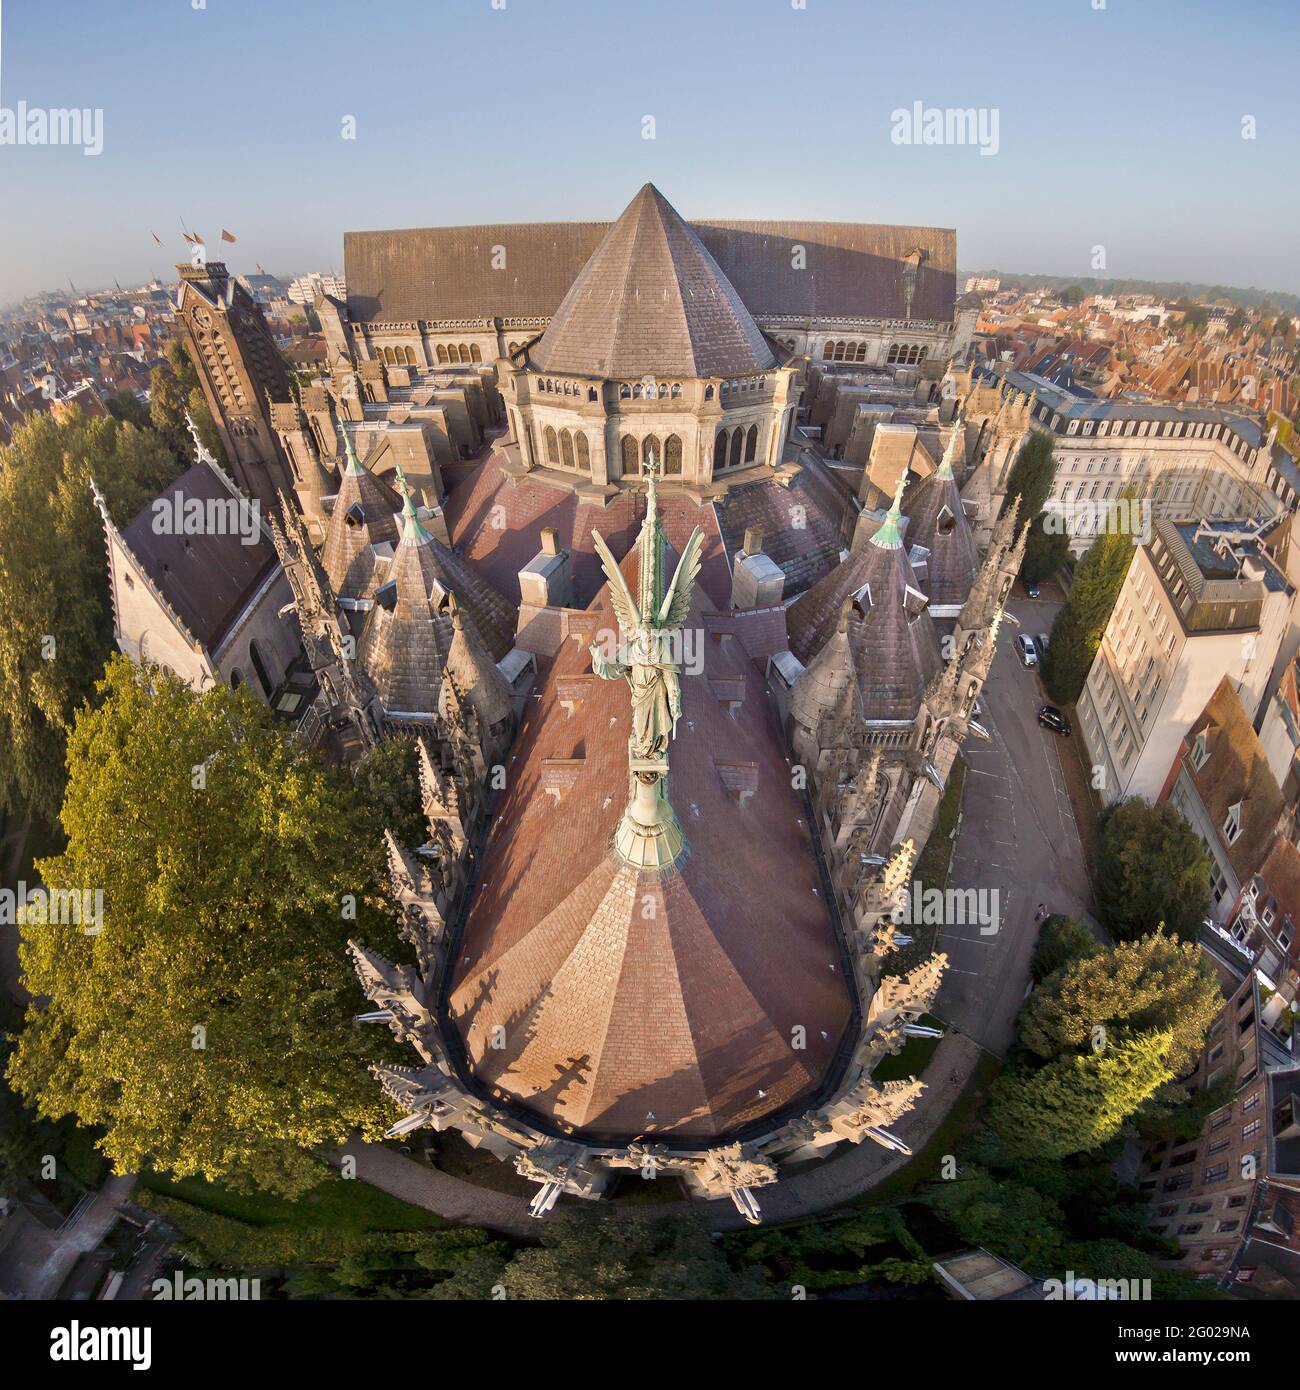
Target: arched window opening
column 663, row 390
column 259, row 667
column 708, row 393
column 636, row 392
column 719, row 451
column 751, row 444
column 552, row 448
column 650, row 445
column 442, row 352
column 828, row 352
column 677, row 390
column 464, row 353
column 625, row 392
column 592, row 394
column 630, row 457
column 475, row 353
column 566, row 449
column 584, row 454
column 737, row 443
column 673, row 455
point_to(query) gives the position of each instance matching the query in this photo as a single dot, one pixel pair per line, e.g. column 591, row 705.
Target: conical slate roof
column 937, row 521
column 892, row 639
column 407, row 634
column 652, row 301
column 364, row 516
column 623, row 1001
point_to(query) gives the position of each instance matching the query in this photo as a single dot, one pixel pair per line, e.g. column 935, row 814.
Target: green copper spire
column 412, row 531
column 889, row 537
column 353, row 464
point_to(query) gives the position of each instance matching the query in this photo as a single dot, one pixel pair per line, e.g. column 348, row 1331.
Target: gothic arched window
column 737, row 443
column 552, row 449
column 650, row 445
column 442, row 352
column 751, row 444
column 673, row 455
column 719, row 451
column 566, row 449
column 584, row 454
column 630, row 456
column 475, row 355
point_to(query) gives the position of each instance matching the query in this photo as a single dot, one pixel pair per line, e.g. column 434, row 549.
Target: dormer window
column 1201, row 750
column 1232, row 823
column 946, row 521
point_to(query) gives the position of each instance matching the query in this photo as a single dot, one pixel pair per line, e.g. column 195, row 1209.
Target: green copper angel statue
column 650, row 627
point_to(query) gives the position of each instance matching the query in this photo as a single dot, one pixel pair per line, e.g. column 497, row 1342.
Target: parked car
column 1040, row 641
column 1051, row 718
column 1026, row 651
column 1031, row 590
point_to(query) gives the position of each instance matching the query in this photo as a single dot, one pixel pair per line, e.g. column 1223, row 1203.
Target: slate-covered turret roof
column 652, row 301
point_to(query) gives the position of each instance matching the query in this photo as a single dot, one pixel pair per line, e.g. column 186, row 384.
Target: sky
column 1119, row 125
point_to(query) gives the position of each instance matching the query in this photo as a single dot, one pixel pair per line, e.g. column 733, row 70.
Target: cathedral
column 678, row 551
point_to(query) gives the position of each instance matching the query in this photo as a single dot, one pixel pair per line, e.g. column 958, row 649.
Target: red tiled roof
column 633, row 1003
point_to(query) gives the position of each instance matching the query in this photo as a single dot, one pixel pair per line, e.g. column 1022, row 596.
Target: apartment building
column 1235, row 1186
column 1221, row 784
column 1202, row 601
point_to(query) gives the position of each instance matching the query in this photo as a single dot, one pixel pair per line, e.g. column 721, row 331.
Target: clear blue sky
column 1119, row 126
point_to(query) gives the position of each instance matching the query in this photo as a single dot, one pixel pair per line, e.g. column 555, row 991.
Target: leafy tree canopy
column 1061, row 941
column 1152, row 868
column 1031, row 477
column 55, row 622
column 1155, row 982
column 207, row 1027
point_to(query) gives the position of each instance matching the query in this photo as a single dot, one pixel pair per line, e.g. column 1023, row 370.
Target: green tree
column 1155, row 983
column 388, row 782
column 1077, row 1102
column 207, row 1027
column 174, row 390
column 610, row 1255
column 1061, row 941
column 1031, row 477
column 1045, row 552
column 1006, row 1217
column 1078, row 629
column 127, row 406
column 1152, row 868
column 55, row 623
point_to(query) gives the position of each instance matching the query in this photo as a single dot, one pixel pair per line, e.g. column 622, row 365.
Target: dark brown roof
column 852, row 268
column 800, row 526
column 652, row 301
column 1236, row 770
column 207, row 578
column 634, row 1004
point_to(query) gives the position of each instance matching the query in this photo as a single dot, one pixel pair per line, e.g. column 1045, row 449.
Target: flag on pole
column 198, row 238
column 188, row 238
column 225, row 235
column 155, row 237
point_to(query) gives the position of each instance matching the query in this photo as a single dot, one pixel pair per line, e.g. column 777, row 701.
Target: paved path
column 1018, row 836
column 852, row 1172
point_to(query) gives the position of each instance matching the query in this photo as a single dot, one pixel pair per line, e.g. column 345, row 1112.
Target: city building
column 1202, row 601
column 1230, row 1196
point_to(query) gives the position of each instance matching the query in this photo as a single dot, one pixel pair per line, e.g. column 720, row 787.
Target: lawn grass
column 912, row 1060
column 957, row 1123
column 337, row 1204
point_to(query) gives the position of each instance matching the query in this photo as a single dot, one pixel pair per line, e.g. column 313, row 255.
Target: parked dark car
column 1031, row 590
column 1051, row 718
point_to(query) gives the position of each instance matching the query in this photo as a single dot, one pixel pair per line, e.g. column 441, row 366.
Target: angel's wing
column 677, row 601
column 625, row 609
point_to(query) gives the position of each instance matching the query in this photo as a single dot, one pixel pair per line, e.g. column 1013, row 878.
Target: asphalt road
column 1017, row 837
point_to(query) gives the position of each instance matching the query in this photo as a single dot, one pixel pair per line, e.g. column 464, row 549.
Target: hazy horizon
column 1114, row 128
